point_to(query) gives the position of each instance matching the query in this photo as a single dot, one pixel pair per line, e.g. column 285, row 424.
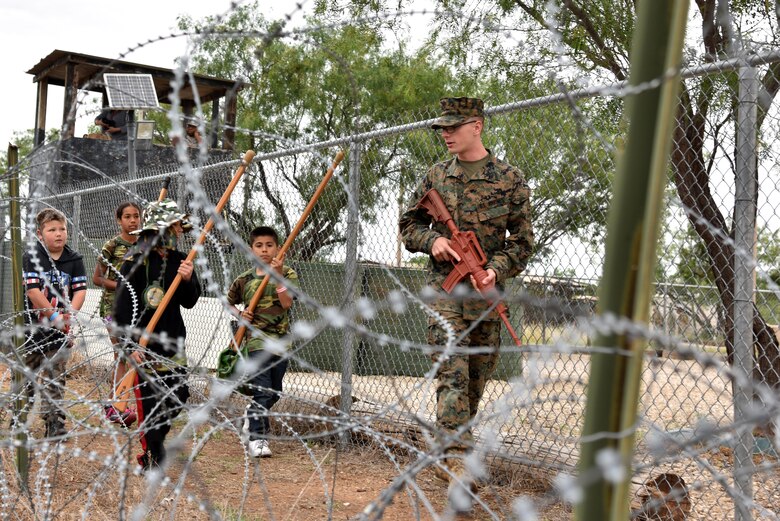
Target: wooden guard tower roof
column 76, row 72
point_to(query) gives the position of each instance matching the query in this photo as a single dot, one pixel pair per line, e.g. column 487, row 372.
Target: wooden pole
column 124, row 389
column 20, row 402
column 239, row 337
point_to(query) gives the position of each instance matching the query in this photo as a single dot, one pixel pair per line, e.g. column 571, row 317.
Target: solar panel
column 130, row 91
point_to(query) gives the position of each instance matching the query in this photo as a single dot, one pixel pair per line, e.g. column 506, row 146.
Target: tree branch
column 275, row 202
column 608, row 59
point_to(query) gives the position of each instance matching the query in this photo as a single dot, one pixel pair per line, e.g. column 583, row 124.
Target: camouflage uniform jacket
column 111, row 259
column 490, row 203
column 269, row 317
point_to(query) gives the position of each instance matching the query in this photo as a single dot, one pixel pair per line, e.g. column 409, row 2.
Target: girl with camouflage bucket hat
column 149, row 269
column 161, row 216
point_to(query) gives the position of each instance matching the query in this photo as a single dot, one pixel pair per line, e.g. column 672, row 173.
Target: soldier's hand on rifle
column 487, row 284
column 442, row 251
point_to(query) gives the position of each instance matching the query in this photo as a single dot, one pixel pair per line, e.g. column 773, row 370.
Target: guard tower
column 65, row 171
column 76, row 72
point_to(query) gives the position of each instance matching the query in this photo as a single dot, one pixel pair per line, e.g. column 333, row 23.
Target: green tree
column 321, row 85
column 24, row 141
column 567, row 163
column 593, row 39
column 596, row 35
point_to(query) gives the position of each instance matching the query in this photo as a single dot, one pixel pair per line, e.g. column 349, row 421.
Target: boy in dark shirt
column 55, row 282
column 149, row 269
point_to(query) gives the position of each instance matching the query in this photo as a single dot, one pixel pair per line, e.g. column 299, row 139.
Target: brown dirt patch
column 91, row 476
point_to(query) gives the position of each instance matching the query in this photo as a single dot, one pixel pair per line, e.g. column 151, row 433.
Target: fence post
column 4, row 228
column 744, row 286
column 350, row 280
column 20, row 400
column 131, row 164
column 76, row 227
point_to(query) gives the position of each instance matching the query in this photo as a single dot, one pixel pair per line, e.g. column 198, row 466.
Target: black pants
column 163, row 396
column 266, row 388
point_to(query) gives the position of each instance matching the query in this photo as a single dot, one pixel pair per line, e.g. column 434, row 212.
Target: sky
column 32, row 29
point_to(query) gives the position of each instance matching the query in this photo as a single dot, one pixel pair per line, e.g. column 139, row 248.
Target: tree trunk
column 693, row 186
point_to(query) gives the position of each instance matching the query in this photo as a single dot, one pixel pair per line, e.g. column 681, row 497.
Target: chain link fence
column 359, row 288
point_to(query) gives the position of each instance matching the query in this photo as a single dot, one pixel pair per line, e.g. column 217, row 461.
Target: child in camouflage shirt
column 109, row 262
column 270, row 321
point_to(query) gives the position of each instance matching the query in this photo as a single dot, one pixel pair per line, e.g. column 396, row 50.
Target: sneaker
column 55, row 429
column 128, row 417
column 112, row 414
column 148, row 461
column 259, row 449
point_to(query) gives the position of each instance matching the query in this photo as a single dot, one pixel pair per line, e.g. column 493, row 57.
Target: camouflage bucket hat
column 159, row 216
column 455, row 111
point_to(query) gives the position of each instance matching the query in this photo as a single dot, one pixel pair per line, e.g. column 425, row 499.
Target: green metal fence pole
column 654, row 202
column 20, row 403
column 629, row 255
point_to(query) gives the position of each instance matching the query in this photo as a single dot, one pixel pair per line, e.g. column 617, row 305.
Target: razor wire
column 531, row 417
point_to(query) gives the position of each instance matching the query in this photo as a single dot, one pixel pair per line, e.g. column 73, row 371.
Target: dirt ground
column 93, row 476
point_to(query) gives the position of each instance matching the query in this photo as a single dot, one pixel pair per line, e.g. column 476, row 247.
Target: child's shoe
column 128, row 417
column 259, row 449
column 112, row 414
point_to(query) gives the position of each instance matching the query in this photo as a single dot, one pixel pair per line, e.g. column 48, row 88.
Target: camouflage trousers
column 49, row 369
column 461, row 377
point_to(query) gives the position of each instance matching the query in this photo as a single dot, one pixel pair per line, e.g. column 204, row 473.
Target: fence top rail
column 770, row 56
column 136, row 181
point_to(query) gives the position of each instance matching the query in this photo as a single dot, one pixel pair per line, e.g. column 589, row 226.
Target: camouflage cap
column 457, row 110
column 159, row 216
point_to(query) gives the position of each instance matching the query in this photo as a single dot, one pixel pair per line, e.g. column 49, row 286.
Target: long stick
column 128, row 381
column 239, row 337
column 121, row 389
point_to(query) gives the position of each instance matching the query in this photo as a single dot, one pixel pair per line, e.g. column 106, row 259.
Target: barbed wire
column 531, row 418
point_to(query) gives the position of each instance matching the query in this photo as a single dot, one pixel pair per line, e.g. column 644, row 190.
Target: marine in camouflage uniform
column 489, row 197
column 111, row 259
column 270, row 321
